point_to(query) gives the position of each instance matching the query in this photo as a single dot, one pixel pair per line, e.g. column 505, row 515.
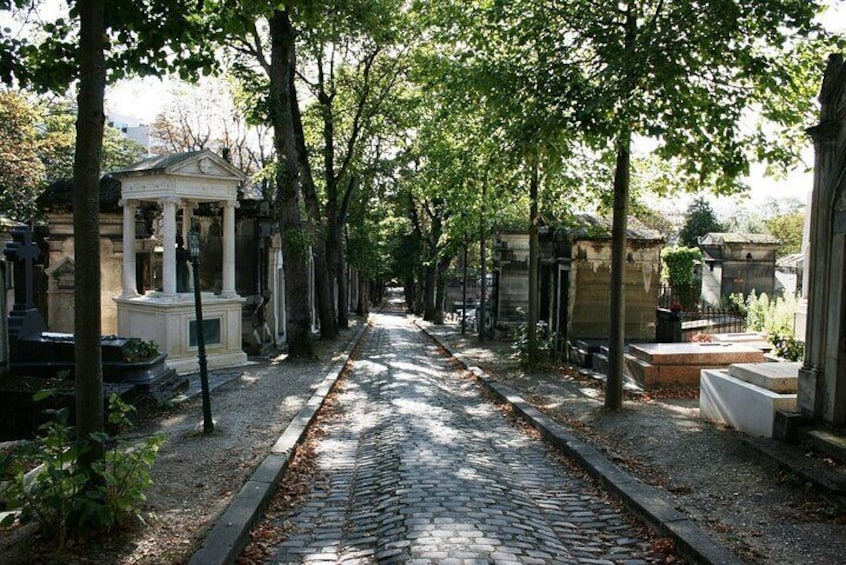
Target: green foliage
column 699, row 220
column 65, row 500
column 521, row 345
column 677, row 269
column 57, row 140
column 772, row 316
column 677, row 265
column 37, row 143
column 135, row 350
column 788, row 229
column 21, row 169
column 788, row 347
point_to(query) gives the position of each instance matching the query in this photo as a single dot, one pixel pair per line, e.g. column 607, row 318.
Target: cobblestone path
column 420, row 468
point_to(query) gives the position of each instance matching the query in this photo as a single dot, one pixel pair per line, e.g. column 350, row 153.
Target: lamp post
column 194, row 253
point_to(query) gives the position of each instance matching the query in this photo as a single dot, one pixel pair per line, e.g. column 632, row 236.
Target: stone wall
column 60, row 272
column 590, row 272
column 513, row 277
column 588, row 313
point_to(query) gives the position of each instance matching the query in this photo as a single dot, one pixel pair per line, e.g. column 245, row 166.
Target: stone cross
column 23, row 250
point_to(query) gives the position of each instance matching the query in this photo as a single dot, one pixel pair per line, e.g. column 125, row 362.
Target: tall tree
column 21, row 169
column 638, row 68
column 353, row 65
column 699, row 219
column 96, row 42
column 88, row 362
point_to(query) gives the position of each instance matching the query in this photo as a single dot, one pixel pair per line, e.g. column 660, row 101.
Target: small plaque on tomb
column 211, row 332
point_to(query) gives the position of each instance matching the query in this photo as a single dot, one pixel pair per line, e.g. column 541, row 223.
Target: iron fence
column 709, row 320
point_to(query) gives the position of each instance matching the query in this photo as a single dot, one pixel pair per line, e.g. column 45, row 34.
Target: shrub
column 787, row 347
column 772, row 316
column 520, row 343
column 59, row 495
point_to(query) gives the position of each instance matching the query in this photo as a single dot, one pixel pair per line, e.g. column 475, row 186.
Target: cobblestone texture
column 421, row 469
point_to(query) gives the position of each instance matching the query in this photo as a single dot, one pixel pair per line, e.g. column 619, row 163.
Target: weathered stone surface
column 701, row 354
column 744, row 406
column 777, row 377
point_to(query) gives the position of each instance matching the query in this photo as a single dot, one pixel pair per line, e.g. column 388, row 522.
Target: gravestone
column 35, row 352
column 24, row 319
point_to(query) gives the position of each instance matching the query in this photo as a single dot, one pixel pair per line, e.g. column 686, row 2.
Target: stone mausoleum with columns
column 176, row 185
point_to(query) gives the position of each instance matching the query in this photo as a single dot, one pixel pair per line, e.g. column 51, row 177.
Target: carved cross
column 23, row 250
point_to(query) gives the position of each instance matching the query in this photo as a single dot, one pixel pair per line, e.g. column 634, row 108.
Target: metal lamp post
column 194, row 253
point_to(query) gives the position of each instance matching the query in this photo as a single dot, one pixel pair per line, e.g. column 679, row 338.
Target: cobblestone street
column 420, row 468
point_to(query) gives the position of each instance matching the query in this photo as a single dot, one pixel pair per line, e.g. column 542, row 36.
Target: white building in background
column 131, row 128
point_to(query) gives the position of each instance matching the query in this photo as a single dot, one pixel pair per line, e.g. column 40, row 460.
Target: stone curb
column 229, row 535
column 645, row 501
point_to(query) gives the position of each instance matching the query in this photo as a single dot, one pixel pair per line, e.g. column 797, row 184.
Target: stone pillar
column 130, row 290
column 169, row 246
column 228, row 289
column 800, row 318
column 811, row 382
column 187, row 214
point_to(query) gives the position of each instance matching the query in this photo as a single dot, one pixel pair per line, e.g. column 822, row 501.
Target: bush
column 59, row 495
column 787, row 347
column 772, row 316
column 520, row 343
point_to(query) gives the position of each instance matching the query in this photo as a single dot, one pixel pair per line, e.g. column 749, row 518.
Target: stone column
column 811, row 393
column 228, row 289
column 187, row 215
column 169, row 246
column 130, row 290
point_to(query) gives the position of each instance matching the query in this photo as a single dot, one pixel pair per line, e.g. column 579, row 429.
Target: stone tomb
column 178, row 183
column 657, row 365
column 748, row 395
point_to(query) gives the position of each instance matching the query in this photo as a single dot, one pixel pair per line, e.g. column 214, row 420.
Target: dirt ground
column 762, row 514
column 706, row 470
column 196, row 475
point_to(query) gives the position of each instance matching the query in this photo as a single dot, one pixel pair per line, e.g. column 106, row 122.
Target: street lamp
column 194, row 253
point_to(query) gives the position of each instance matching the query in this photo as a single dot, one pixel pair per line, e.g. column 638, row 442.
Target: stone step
column 828, row 442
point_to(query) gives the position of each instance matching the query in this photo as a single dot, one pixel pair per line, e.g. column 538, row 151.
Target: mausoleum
column 177, row 184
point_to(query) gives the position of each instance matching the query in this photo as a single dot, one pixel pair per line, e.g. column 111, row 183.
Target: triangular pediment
column 203, row 163
column 193, row 176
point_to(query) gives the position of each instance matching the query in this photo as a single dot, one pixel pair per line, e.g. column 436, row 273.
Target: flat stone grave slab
column 776, row 377
column 752, row 339
column 701, row 354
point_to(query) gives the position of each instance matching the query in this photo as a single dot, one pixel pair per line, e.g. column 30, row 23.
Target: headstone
column 24, row 319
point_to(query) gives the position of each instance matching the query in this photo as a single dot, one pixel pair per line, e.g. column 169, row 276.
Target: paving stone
column 419, row 468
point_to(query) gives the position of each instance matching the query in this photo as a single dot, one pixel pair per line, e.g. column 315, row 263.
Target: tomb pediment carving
column 64, row 274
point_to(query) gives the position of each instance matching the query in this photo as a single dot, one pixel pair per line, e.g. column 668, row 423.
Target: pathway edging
column 647, row 502
column 229, row 535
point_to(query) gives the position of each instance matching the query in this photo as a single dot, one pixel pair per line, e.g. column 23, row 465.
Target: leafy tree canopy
column 37, row 141
column 698, row 220
column 788, row 229
column 21, row 168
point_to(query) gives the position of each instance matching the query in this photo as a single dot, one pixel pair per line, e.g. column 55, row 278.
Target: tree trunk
column 409, row 292
column 322, row 275
column 294, row 244
column 440, row 289
column 532, row 314
column 361, row 303
column 483, row 273
column 88, row 362
column 343, row 291
column 617, row 321
column 430, row 275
